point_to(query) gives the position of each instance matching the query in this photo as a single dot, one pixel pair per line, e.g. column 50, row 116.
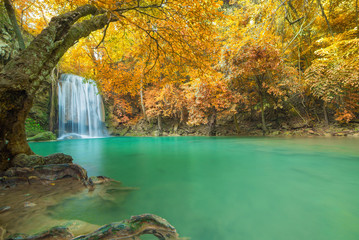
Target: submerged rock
column 99, row 179
column 44, row 136
column 4, row 209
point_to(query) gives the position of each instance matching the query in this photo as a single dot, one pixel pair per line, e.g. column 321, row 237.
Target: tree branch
column 12, row 16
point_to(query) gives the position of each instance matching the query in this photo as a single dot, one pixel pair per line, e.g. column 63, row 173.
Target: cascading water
column 81, row 111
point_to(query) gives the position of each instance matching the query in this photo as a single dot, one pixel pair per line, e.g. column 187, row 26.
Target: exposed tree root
column 132, row 229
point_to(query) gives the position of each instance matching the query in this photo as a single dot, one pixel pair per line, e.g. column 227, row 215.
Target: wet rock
column 340, row 134
column 99, row 179
column 49, row 172
column 58, row 233
column 58, row 158
column 311, row 132
column 44, row 136
column 4, row 209
column 23, row 160
column 29, row 204
column 133, row 228
column 126, row 230
column 297, row 125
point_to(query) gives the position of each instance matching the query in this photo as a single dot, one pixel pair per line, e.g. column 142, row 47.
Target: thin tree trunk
column 356, row 14
column 212, row 123
column 142, row 102
column 159, row 124
column 11, row 13
column 264, row 127
column 236, row 124
column 326, row 119
column 325, row 17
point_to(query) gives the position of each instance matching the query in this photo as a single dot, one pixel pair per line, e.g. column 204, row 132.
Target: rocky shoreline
column 35, row 183
column 301, row 129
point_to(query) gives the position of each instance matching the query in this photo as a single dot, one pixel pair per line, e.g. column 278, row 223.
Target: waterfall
column 81, row 110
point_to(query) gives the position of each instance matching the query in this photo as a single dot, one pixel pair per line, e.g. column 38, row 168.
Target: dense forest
column 203, row 68
column 259, row 61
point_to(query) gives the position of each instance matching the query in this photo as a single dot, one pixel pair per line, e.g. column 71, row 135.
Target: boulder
column 50, row 172
column 129, row 229
column 99, row 180
column 58, row 158
column 44, row 136
column 60, row 233
column 23, row 160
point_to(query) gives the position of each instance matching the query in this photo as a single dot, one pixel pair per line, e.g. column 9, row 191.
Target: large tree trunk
column 22, row 76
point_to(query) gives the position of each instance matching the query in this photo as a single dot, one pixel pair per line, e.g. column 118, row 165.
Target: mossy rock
column 44, row 136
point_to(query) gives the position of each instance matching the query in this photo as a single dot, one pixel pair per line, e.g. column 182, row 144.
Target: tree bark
column 261, row 96
column 264, row 127
column 52, row 117
column 356, row 14
column 236, row 124
column 12, row 16
column 326, row 119
column 212, row 123
column 159, row 124
column 22, row 76
column 142, row 102
column 325, row 17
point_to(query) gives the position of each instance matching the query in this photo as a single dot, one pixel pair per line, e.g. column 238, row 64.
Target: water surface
column 224, row 188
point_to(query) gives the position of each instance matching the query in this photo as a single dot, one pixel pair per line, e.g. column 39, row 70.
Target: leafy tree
column 209, row 99
column 176, row 30
column 334, row 76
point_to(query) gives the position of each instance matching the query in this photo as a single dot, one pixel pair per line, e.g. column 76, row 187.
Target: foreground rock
column 44, row 136
column 56, row 233
column 50, row 172
column 24, row 160
column 128, row 229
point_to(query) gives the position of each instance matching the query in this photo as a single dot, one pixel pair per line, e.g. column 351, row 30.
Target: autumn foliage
column 196, row 61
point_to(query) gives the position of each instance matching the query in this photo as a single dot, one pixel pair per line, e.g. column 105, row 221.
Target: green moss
column 32, row 127
column 43, row 136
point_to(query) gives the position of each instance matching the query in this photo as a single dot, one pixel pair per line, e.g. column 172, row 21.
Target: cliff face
column 39, row 116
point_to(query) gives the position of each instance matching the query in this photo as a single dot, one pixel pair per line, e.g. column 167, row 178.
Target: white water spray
column 81, row 111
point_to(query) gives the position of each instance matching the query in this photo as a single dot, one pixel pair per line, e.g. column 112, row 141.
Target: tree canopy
column 192, row 60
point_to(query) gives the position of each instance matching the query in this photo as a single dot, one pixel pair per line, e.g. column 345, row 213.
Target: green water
column 224, row 188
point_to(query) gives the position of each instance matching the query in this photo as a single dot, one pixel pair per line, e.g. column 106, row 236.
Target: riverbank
column 171, row 128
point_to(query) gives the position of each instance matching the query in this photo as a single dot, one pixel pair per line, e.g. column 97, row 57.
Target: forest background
column 285, row 67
